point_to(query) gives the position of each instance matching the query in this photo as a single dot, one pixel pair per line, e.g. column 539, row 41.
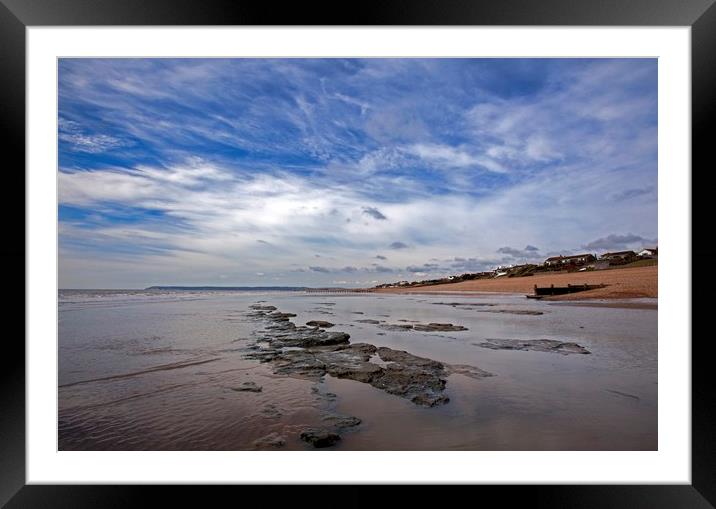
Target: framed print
column 257, row 244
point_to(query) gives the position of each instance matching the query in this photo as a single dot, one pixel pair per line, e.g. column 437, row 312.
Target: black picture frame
column 16, row 15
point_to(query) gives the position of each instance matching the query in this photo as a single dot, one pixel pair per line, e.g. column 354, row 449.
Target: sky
column 348, row 172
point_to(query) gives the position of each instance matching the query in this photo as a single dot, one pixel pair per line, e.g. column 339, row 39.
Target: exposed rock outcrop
column 311, row 353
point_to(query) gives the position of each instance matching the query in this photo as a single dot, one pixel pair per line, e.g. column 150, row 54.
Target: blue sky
column 348, row 171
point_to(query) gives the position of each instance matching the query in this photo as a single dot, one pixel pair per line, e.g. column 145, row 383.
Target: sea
column 163, row 369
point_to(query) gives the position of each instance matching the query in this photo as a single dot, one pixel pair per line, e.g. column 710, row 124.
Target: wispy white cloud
column 194, row 171
column 445, row 156
column 79, row 141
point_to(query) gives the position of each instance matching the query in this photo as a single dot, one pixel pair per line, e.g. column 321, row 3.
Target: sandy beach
column 637, row 282
column 297, row 371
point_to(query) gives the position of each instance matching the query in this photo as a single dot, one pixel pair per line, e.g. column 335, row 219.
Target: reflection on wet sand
column 225, row 371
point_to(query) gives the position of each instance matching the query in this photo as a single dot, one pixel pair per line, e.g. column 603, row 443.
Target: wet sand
column 210, row 371
column 610, row 304
column 637, row 282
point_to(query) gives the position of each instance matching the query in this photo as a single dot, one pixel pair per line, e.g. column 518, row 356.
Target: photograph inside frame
column 357, row 254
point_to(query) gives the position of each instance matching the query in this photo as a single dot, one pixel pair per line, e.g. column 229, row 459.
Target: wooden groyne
column 562, row 290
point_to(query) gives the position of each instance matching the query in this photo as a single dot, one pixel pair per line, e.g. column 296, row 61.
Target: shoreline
column 631, row 283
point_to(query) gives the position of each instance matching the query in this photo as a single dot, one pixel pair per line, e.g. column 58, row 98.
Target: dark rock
column 396, row 326
column 305, row 337
column 422, row 327
column 351, row 362
column 364, row 372
column 311, row 353
column 248, row 387
column 299, row 363
column 366, row 350
column 438, row 327
column 280, row 317
column 320, row 323
column 341, row 421
column 415, row 378
column 282, row 326
column 537, row 345
column 374, row 322
column 263, row 355
column 327, row 338
column 260, row 307
column 408, row 359
column 320, row 438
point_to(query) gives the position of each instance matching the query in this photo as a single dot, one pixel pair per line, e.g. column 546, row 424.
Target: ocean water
column 156, row 370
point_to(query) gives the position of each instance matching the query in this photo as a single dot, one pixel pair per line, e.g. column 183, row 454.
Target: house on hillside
column 618, row 257
column 579, row 259
column 648, row 253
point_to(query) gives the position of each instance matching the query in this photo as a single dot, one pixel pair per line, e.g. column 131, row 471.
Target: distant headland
column 233, row 288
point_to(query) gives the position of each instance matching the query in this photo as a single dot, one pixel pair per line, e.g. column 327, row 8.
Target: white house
column 573, row 259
